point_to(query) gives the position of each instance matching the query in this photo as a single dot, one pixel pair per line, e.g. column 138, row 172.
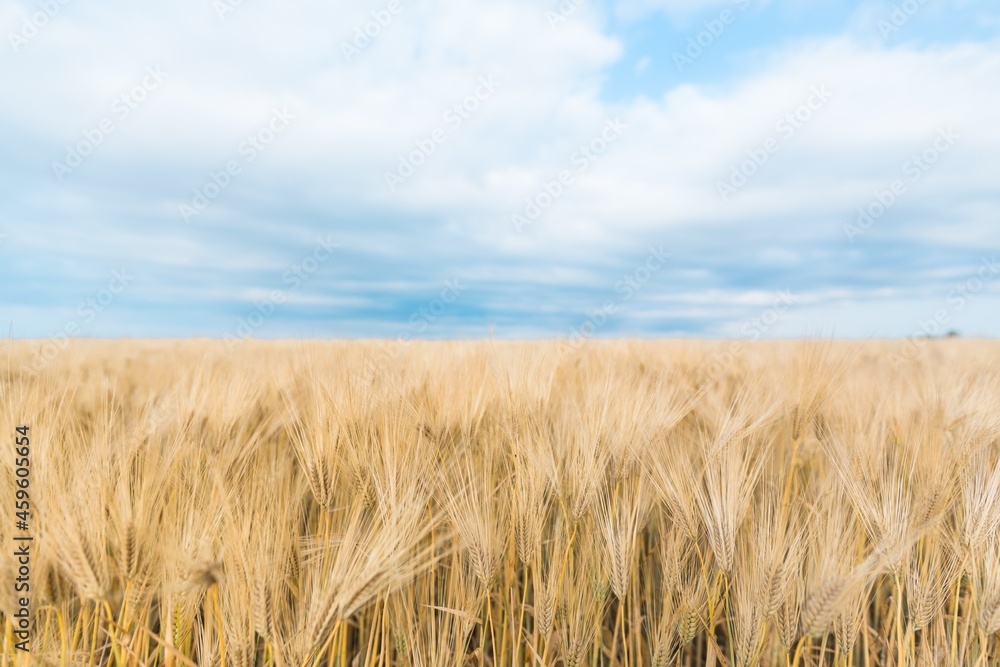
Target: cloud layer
column 498, row 166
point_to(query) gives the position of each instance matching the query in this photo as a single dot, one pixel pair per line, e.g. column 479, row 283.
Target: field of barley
column 625, row 503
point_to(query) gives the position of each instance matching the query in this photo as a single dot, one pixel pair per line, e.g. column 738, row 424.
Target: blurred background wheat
column 450, row 504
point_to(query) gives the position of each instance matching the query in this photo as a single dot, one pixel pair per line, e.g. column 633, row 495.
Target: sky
column 518, row 169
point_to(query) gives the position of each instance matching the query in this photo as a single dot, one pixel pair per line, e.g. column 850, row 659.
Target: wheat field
column 447, row 504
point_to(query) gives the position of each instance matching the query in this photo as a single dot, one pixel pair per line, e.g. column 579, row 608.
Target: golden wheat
column 643, row 504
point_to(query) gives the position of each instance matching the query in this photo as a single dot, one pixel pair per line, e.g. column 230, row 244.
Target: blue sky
column 729, row 168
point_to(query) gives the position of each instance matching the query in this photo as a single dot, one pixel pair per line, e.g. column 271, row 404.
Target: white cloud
column 354, row 120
